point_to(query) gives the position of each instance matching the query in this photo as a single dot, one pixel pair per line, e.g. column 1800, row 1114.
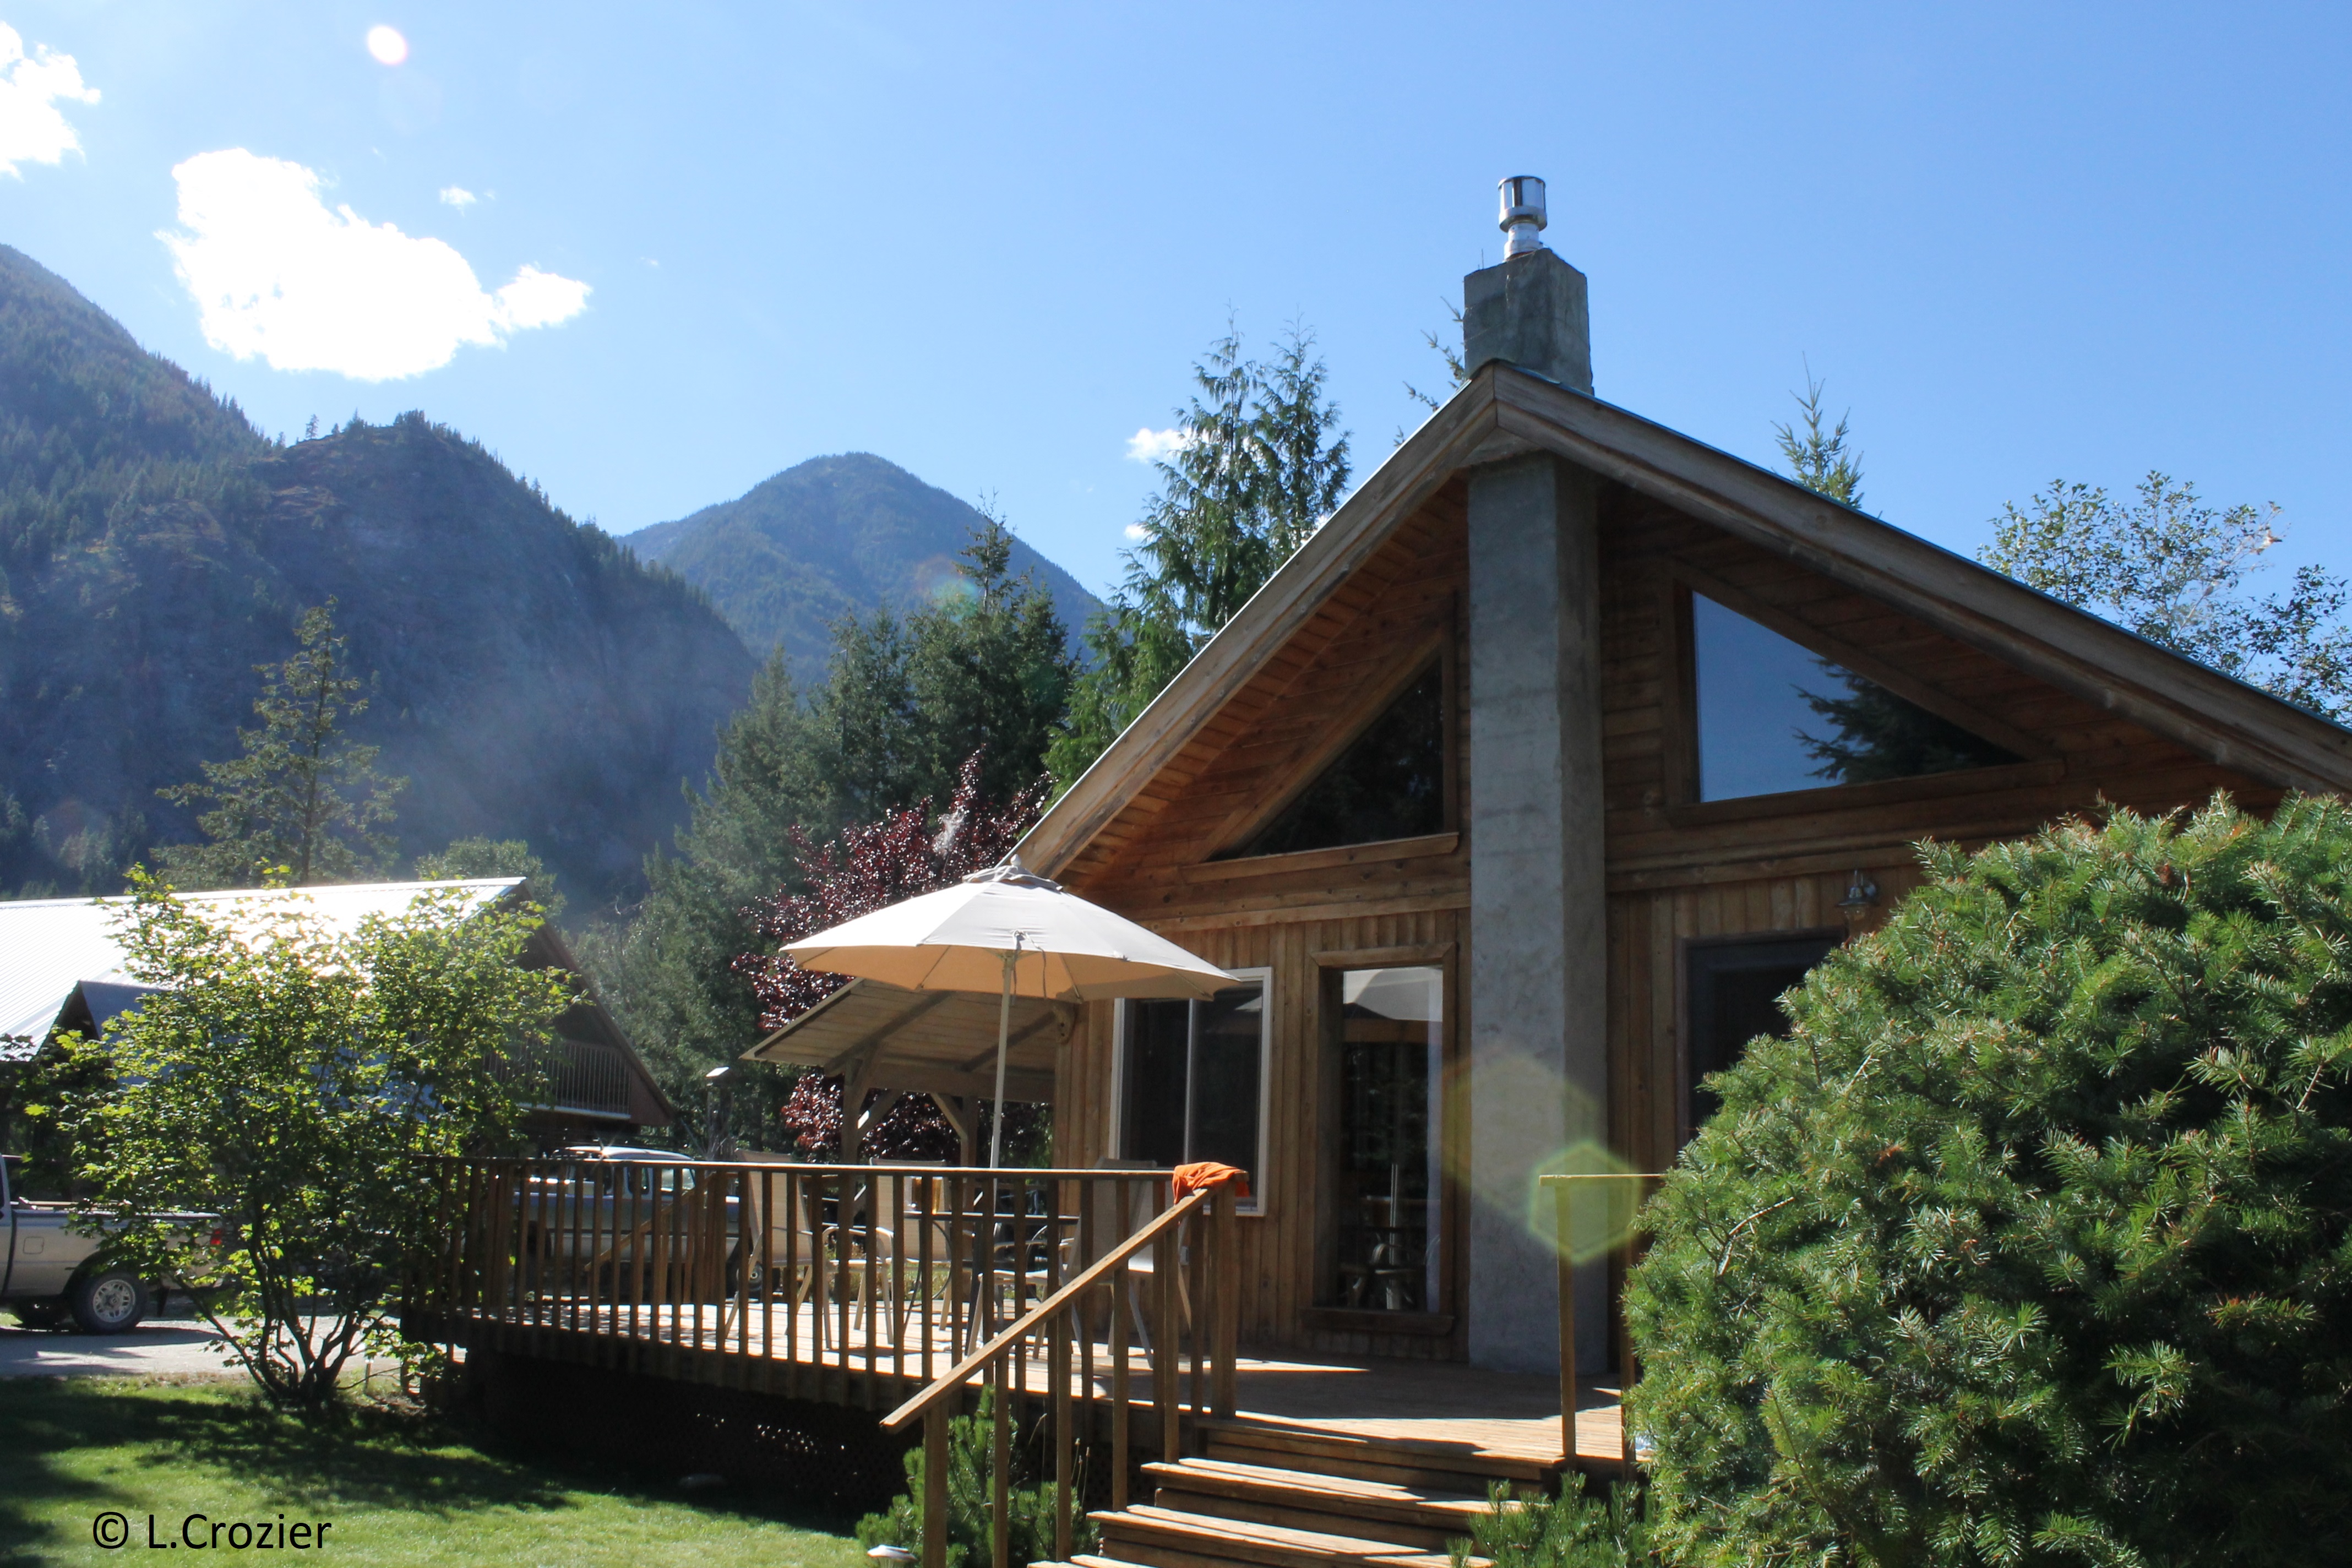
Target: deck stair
column 1271, row 1495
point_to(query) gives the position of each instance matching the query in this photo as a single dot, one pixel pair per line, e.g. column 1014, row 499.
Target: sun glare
column 386, row 45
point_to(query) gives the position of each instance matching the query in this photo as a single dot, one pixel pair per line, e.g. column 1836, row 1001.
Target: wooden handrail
column 1091, row 1276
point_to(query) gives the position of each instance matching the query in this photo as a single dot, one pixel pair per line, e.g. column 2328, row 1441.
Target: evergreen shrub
column 2030, row 1245
column 1029, row 1502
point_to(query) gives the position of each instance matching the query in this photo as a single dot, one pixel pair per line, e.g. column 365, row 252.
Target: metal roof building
column 63, row 965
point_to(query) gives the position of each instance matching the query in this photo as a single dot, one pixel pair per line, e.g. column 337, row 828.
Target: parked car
column 52, row 1273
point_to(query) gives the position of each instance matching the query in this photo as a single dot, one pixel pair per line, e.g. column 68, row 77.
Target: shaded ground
column 398, row 1489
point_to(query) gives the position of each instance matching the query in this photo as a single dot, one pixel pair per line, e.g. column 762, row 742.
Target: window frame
column 1677, row 581
column 1261, row 1180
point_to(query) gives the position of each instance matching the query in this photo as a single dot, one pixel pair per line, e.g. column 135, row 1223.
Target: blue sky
column 987, row 242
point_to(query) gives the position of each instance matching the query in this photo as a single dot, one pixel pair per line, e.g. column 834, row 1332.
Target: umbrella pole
column 1003, row 1031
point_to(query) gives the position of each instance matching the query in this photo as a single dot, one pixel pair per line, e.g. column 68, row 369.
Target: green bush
column 1571, row 1530
column 2030, row 1246
column 1031, row 1507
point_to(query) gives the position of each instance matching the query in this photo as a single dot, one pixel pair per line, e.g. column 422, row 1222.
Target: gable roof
column 1504, row 412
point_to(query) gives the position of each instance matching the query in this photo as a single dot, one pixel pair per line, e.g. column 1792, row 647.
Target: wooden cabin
column 1518, row 797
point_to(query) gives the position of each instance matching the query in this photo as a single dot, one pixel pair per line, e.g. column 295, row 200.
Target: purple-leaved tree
column 867, row 868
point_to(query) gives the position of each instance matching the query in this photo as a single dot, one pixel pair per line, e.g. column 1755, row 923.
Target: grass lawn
column 398, row 1489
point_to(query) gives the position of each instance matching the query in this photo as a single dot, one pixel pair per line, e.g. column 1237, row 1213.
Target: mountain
column 534, row 680
column 828, row 538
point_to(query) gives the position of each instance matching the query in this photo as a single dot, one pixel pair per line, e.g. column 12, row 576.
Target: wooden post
column 935, row 1486
column 999, row 1476
column 1566, row 1268
column 1166, row 1366
column 1226, row 1273
column 1118, row 1386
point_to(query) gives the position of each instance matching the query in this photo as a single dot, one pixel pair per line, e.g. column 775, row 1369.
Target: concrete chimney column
column 1538, row 1068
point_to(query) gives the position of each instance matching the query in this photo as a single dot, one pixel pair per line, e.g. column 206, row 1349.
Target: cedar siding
column 2143, row 728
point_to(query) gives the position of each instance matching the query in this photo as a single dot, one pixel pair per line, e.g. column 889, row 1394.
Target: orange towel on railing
column 1203, row 1174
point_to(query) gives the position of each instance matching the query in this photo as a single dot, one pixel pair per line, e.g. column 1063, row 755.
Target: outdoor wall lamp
column 1860, row 893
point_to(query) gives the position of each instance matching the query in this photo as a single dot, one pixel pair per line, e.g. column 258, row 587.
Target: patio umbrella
column 1008, row 929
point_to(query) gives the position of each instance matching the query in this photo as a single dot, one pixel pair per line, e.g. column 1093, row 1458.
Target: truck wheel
column 109, row 1303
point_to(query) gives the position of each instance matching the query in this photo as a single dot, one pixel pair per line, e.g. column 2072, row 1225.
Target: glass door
column 1390, row 1075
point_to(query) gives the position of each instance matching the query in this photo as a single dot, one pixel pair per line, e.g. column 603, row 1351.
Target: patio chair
column 1114, row 1225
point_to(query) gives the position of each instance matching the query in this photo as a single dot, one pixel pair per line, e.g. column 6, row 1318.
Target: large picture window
column 1191, row 1081
column 1775, row 716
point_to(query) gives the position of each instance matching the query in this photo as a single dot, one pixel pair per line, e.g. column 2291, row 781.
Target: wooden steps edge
column 1274, row 1541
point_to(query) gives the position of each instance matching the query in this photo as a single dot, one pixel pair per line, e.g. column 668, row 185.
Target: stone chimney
column 1539, row 1079
column 1530, row 310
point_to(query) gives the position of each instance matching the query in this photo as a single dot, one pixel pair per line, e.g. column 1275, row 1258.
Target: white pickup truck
column 50, row 1272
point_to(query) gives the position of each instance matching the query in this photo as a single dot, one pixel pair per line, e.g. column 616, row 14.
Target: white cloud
column 276, row 272
column 1138, row 532
column 32, row 130
column 1148, row 445
column 458, row 196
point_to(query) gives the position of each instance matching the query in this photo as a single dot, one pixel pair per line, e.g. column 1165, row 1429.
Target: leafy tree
column 2030, row 1245
column 906, row 702
column 303, row 801
column 1261, row 463
column 468, row 859
column 1820, row 460
column 870, row 867
column 2172, row 569
column 293, row 1078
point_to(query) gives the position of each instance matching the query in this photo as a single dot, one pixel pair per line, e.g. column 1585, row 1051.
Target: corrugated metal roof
column 48, row 946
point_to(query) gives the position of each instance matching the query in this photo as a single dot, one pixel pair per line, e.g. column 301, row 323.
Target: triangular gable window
column 1389, row 784
column 1775, row 716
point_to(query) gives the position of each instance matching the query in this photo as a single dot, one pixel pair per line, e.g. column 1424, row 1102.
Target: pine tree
column 1261, row 462
column 304, row 801
column 2029, row 1244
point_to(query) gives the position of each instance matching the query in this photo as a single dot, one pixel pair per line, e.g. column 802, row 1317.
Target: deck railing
column 851, row 1284
column 1057, row 1336
column 1622, row 1192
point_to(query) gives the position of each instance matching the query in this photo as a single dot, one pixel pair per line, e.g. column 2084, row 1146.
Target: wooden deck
column 822, row 1352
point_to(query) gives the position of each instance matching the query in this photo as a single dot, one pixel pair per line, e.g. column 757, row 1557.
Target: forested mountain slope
column 536, row 681
column 830, row 537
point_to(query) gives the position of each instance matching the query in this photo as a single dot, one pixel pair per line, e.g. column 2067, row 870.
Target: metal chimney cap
column 1523, row 215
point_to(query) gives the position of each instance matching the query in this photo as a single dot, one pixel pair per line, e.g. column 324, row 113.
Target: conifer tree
column 304, row 802
column 1821, row 459
column 1259, row 463
column 2029, row 1245
column 905, row 700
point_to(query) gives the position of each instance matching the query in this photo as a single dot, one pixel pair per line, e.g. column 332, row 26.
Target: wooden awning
column 924, row 1042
